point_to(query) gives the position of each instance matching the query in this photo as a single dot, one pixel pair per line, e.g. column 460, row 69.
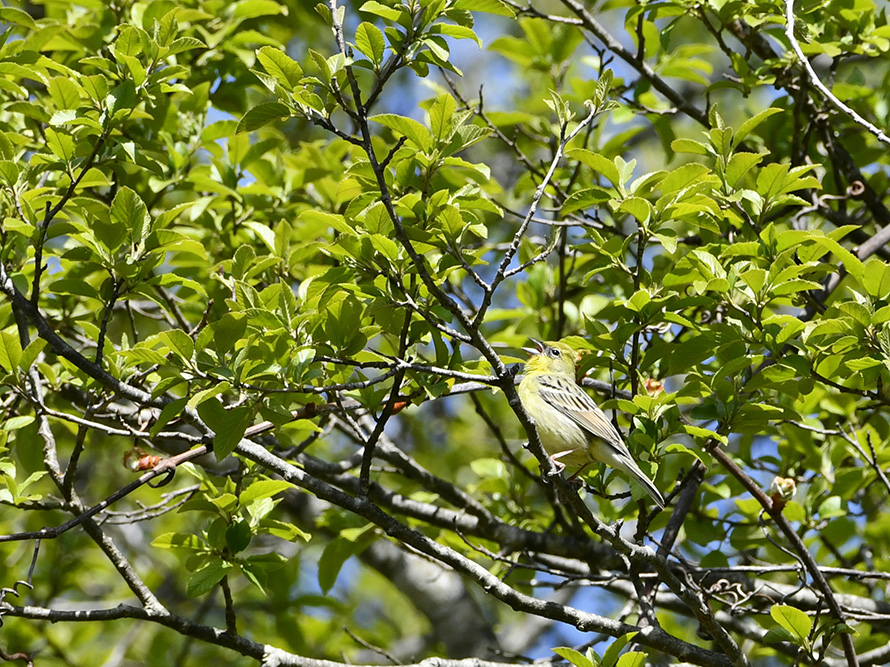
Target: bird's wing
column 572, row 401
column 563, row 394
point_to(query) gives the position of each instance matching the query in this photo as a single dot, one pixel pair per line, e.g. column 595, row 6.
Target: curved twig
column 814, row 78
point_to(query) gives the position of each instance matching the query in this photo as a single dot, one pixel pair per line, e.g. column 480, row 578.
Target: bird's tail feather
column 629, row 466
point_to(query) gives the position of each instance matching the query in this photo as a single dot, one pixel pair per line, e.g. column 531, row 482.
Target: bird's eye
column 554, row 352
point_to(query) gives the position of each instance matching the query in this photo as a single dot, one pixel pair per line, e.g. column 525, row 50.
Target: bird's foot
column 559, row 465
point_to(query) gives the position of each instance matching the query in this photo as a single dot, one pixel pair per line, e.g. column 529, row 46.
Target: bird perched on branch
column 572, row 429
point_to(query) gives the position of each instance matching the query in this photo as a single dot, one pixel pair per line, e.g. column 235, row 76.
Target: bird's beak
column 539, row 347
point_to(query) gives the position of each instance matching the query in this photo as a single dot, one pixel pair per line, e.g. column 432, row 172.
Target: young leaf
column 265, row 488
column 369, row 40
column 129, row 211
column 751, row 124
column 207, row 577
column 575, row 658
column 793, row 620
column 416, row 133
column 228, row 425
column 282, row 67
column 263, row 114
column 374, row 7
column 10, row 351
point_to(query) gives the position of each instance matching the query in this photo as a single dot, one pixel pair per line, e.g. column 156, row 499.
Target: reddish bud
column 138, row 460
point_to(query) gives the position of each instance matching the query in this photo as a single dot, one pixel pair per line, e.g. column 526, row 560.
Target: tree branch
column 814, row 78
column 797, row 544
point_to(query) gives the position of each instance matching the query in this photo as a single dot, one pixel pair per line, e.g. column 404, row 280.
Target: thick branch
column 651, row 637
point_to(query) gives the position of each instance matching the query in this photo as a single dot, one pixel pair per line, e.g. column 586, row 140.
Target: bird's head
column 551, row 357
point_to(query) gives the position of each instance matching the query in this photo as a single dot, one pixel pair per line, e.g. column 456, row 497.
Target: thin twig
column 165, row 467
column 51, row 213
column 502, row 273
column 231, row 622
column 814, row 78
column 799, row 547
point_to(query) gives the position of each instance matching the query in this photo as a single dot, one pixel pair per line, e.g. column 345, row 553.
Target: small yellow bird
column 572, row 429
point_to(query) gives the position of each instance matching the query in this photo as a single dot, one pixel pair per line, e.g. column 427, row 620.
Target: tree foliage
column 281, row 259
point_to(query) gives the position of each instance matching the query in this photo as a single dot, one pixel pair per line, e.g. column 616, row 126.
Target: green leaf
column 683, row 177
column 284, row 531
column 229, row 330
column 638, row 207
column 178, row 342
column 455, row 31
column 739, row 164
column 9, row 172
column 755, row 279
column 17, row 16
column 120, row 101
column 228, row 425
column 487, row 6
column 143, row 354
column 378, row 9
column 794, row 286
column 256, row 569
column 704, row 433
column 31, row 352
column 264, row 232
column 771, row 179
column 282, row 67
column 64, row 92
column 416, row 133
column 61, row 145
column 170, row 411
column 73, row 287
column 574, row 657
column 174, row 280
column 852, row 264
column 370, row 41
column 559, row 107
column 128, row 42
column 262, row 114
column 188, row 541
column 10, row 351
column 207, row 577
column 22, row 72
column 599, row 164
column 680, row 449
column 249, row 9
column 238, row 536
column 182, row 44
column 207, row 394
column 751, row 124
column 610, row 657
column 335, row 221
column 336, row 552
column 793, row 620
column 876, row 278
column 265, row 488
column 584, row 199
column 129, row 210
column 63, row 117
column 689, row 146
column 775, row 635
column 632, row 659
column 385, row 246
column 135, row 67
column 15, row 423
column 441, row 117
